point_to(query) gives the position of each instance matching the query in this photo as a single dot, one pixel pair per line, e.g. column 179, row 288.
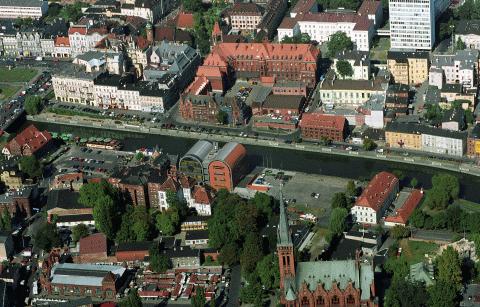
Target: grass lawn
column 414, row 251
column 468, row 206
column 310, row 209
column 6, row 91
column 380, row 49
column 17, row 74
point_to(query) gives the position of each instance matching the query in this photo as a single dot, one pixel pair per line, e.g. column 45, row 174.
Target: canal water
column 287, row 159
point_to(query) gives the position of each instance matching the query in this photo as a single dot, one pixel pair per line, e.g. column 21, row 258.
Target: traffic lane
column 235, row 286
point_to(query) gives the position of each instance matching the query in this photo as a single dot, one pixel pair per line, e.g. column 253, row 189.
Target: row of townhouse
column 460, row 67
column 416, row 136
column 306, row 18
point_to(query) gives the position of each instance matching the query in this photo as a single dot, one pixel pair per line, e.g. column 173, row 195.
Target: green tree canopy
column 229, row 254
column 199, row 300
column 268, row 271
column 302, row 38
column 460, row 45
column 47, row 237
column 335, row 4
column 338, row 42
column 30, row 166
column 6, row 222
column 369, row 144
column 403, row 293
column 442, row 294
column 399, row 232
column 79, row 231
column 414, row 182
column 142, row 224
column 159, row 263
column 222, row 117
column 338, row 220
column 251, row 253
column 339, row 200
column 33, row 105
column 344, row 68
column 449, row 268
column 132, row 300
column 167, row 222
column 352, row 189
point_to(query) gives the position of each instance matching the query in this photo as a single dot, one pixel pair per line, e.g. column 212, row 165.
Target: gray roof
column 467, row 59
column 178, row 56
column 338, row 271
column 83, row 274
column 414, row 128
column 225, row 151
column 468, row 27
column 200, row 150
column 354, row 55
column 24, row 3
column 283, row 233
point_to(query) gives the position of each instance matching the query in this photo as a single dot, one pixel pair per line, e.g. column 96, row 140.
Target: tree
column 245, row 220
column 434, row 113
column 414, row 182
column 417, row 219
column 268, row 272
column 132, row 300
column 344, row 68
column 167, row 222
column 335, row 4
column 142, row 224
column 104, row 214
column 222, row 117
column 469, row 118
column 460, row 45
column 47, row 237
column 302, row 38
column 399, row 232
column 30, row 166
column 442, row 294
column 352, row 189
column 252, row 294
column 338, row 220
column 449, row 268
column 192, row 5
column 72, row 12
column 139, row 156
column 199, row 300
column 264, row 204
column 6, row 220
column 339, row 41
column 339, row 200
column 251, row 253
column 79, row 231
column 229, row 254
column 125, row 233
column 33, row 105
column 159, row 263
column 369, row 144
column 403, row 293
column 448, row 183
column 90, row 193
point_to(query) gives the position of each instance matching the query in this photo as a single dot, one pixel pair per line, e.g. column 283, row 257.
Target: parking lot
column 91, row 161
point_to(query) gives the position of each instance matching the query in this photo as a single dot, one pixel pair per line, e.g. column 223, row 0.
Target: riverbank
column 465, row 168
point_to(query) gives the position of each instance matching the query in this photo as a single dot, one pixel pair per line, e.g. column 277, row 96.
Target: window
column 305, row 302
column 320, row 301
column 335, row 300
column 350, row 299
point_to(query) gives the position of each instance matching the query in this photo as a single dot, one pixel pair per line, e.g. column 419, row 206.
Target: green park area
column 7, row 91
column 380, row 49
column 467, row 206
column 415, row 251
column 17, row 74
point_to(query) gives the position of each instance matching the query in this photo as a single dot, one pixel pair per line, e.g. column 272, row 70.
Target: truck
column 39, row 58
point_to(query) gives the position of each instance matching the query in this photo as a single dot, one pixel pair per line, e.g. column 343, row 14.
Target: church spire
column 283, row 233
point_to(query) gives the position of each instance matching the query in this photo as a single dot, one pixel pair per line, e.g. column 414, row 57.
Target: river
column 287, row 159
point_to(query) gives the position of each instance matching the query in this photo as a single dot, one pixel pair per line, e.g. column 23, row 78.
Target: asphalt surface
column 235, row 286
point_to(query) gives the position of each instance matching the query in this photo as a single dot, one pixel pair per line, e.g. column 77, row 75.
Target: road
column 235, row 286
column 225, row 136
column 440, row 236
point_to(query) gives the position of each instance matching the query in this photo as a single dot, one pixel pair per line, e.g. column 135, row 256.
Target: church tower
column 286, row 258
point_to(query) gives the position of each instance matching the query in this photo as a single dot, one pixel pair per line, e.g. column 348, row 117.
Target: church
column 341, row 283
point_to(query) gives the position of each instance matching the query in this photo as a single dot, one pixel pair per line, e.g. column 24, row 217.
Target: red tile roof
column 185, row 20
column 323, row 121
column 216, row 29
column 234, row 153
column 169, row 185
column 246, row 9
column 187, row 182
column 79, row 30
column 404, row 212
column 93, row 244
column 197, row 86
column 377, row 191
column 62, row 41
column 201, row 195
column 288, row 23
column 31, row 138
column 369, row 7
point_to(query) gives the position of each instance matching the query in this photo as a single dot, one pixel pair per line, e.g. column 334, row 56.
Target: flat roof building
column 12, row 9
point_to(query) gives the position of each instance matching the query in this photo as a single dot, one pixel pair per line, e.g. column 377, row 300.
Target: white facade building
column 444, row 142
column 360, row 62
column 12, row 9
column 83, row 39
column 412, row 23
column 468, row 31
column 460, row 67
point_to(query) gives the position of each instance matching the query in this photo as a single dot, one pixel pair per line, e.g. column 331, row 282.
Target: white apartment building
column 460, row 67
column 75, row 87
column 412, row 23
column 360, row 62
column 83, row 38
column 445, row 142
column 245, row 16
column 12, row 9
column 468, row 31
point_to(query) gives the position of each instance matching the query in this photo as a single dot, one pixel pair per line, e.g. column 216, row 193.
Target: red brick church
column 341, row 283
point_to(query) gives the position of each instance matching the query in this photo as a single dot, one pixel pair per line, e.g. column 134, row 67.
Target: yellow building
column 408, row 67
column 12, row 179
column 402, row 136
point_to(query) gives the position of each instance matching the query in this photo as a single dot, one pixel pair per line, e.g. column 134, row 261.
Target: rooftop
column 377, row 191
column 22, row 3
column 322, row 120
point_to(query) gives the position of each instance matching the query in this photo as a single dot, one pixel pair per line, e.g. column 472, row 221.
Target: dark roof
column 180, row 252
column 196, row 235
column 71, row 302
column 415, row 128
column 134, row 246
column 75, row 218
column 454, row 115
column 475, row 133
column 283, row 102
column 64, row 199
column 468, row 27
column 452, row 88
column 403, row 55
column 196, row 218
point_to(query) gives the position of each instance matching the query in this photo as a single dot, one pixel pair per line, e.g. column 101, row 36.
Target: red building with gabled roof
column 317, row 126
column 402, row 214
column 375, row 198
column 29, row 142
column 224, row 170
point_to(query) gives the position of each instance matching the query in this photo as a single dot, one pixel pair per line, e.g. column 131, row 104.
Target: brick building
column 93, row 248
column 225, row 169
column 289, row 105
column 245, row 15
column 346, row 283
column 133, row 251
column 19, row 202
column 317, row 126
column 29, row 142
